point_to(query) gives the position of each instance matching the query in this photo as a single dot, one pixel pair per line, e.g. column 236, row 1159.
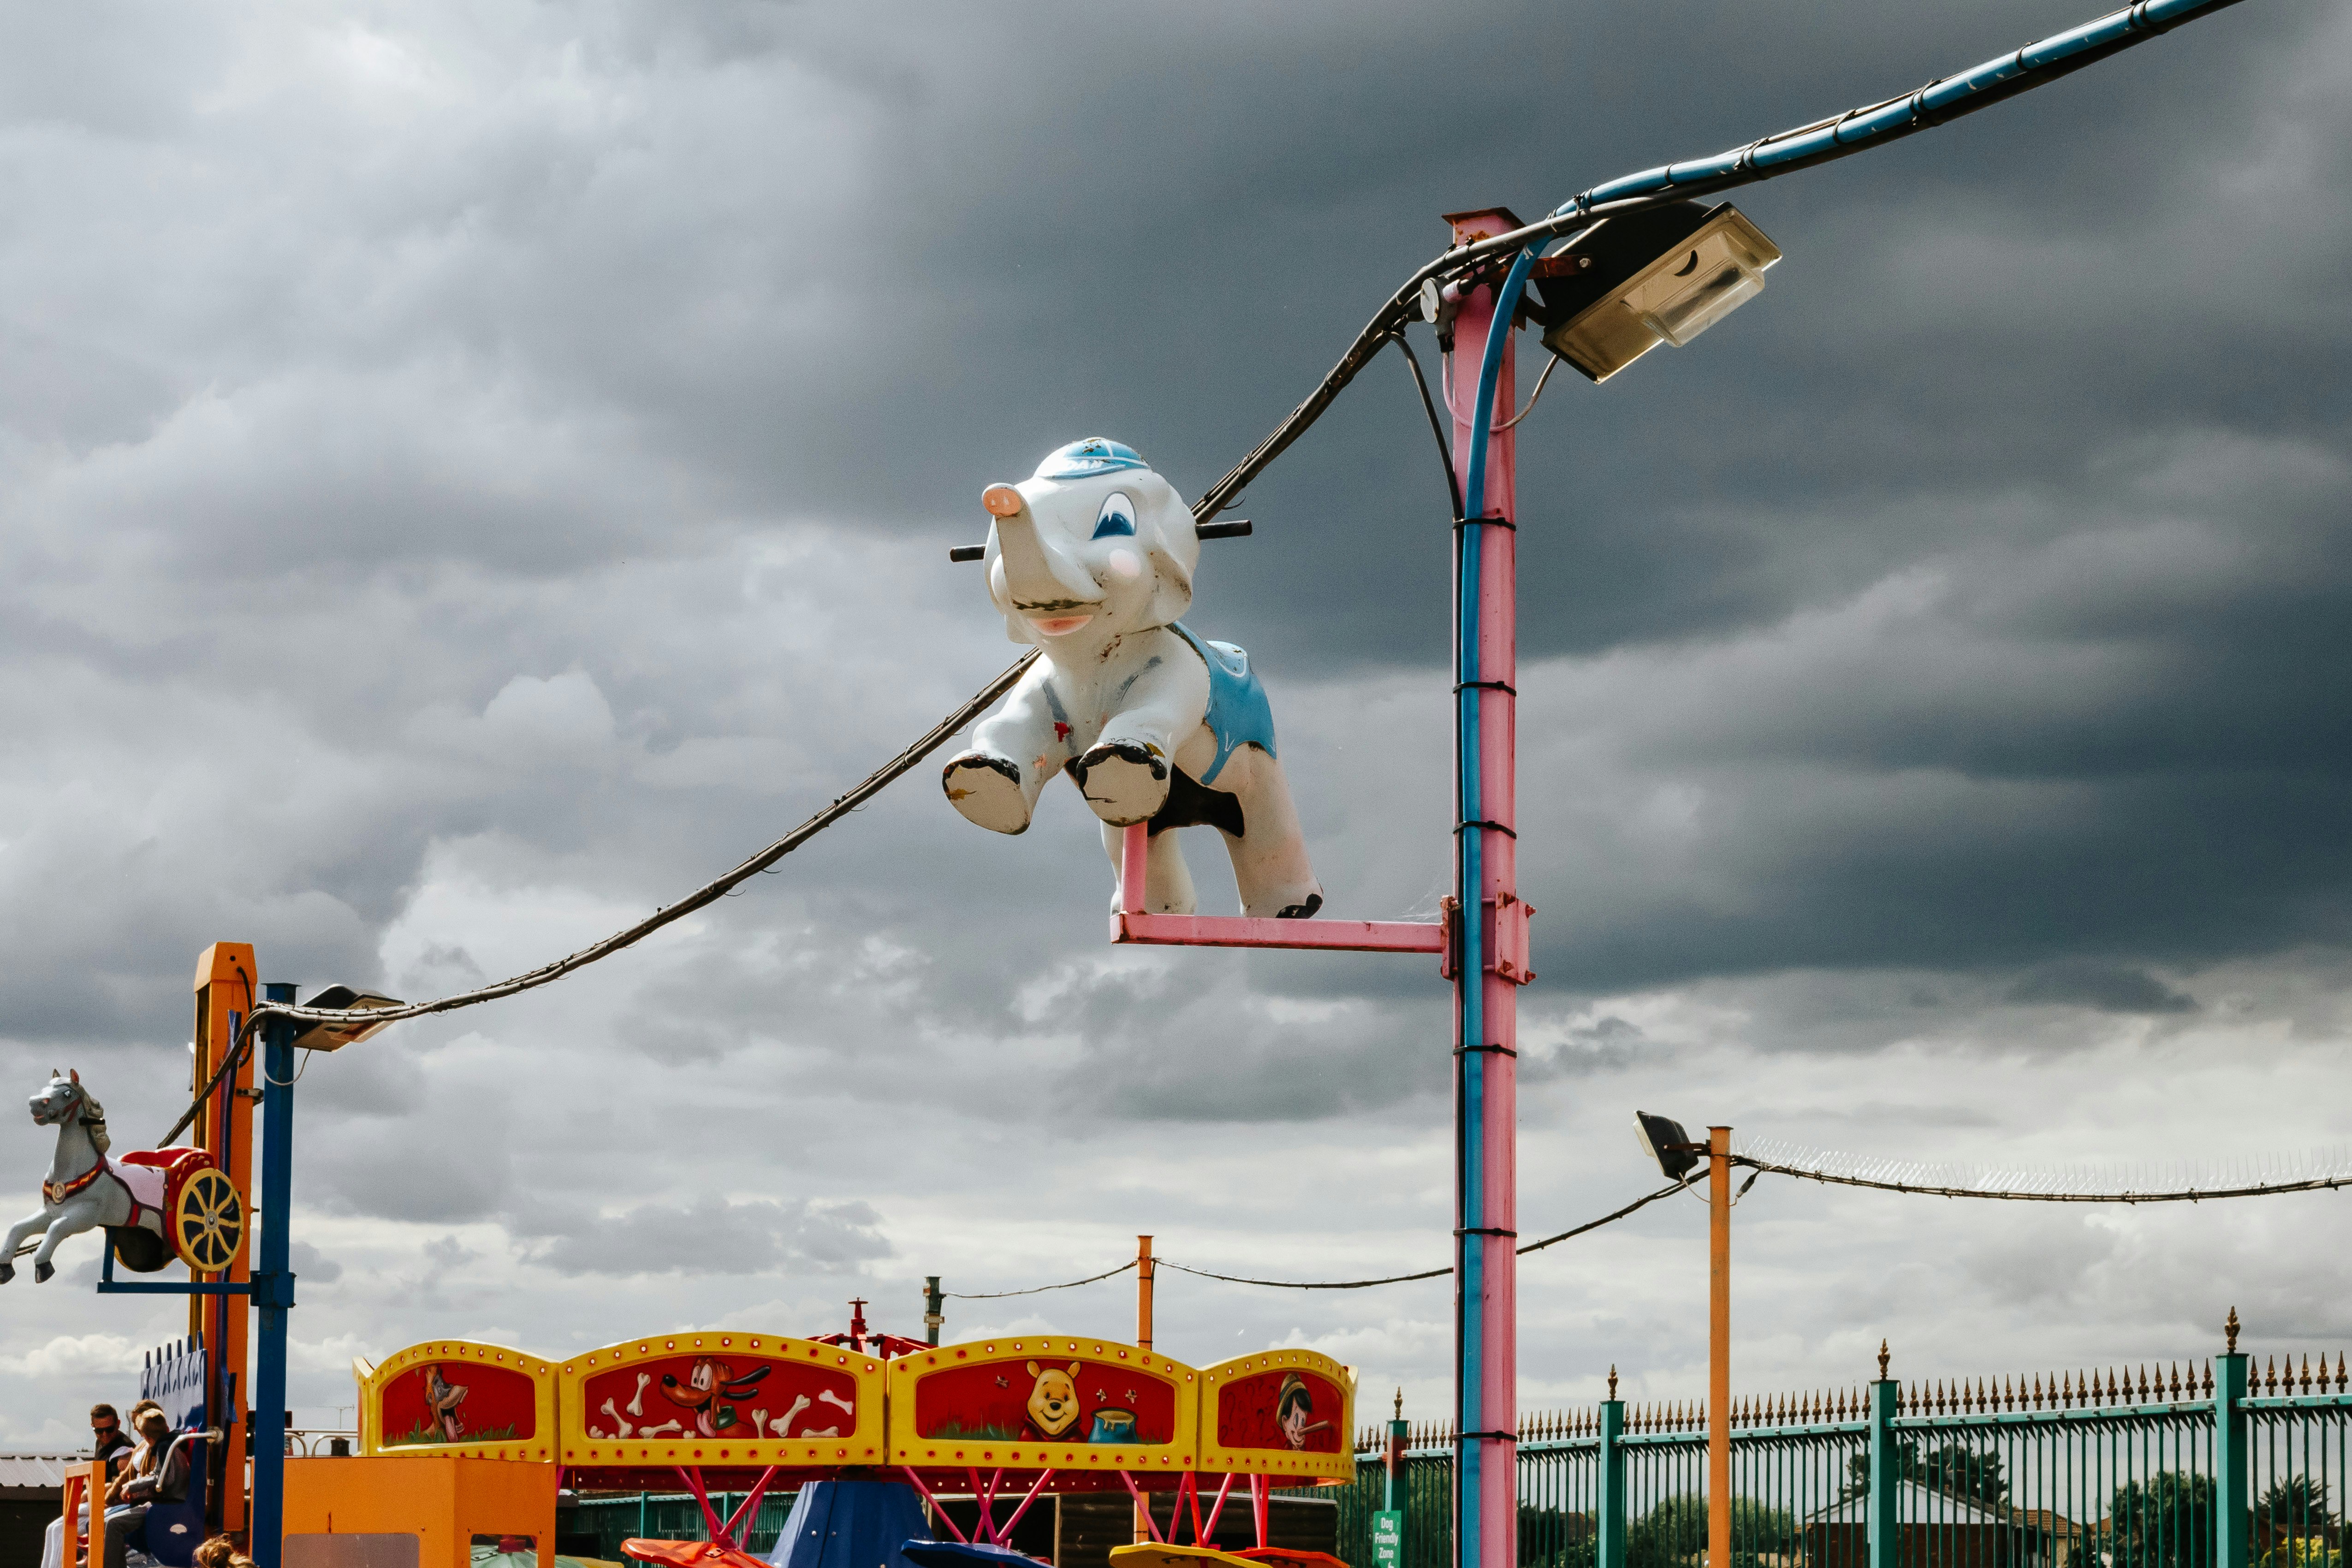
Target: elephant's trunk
column 1043, row 579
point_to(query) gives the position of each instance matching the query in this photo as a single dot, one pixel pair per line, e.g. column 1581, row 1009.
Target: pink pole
column 939, row 1510
column 1487, row 1307
column 1143, row 1511
column 1223, row 1488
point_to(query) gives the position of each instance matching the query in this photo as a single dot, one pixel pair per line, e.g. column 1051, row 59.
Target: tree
column 2293, row 1526
column 1954, row 1469
column 2166, row 1521
column 1673, row 1533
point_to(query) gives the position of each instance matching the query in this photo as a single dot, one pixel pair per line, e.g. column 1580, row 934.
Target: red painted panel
column 1286, row 1409
column 1059, row 1399
column 458, row 1401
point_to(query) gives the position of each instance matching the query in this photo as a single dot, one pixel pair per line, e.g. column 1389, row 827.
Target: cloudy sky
column 471, row 472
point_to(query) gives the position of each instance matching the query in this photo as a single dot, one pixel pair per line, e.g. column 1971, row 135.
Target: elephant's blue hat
column 1083, row 459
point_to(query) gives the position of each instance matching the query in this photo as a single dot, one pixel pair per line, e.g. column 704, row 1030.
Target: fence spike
column 2307, row 1371
column 2339, row 1370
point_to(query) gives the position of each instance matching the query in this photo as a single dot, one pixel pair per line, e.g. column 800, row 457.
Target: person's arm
column 139, row 1485
column 172, row 1482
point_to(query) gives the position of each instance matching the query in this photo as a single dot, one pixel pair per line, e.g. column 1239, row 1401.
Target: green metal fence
column 671, row 1516
column 2221, row 1467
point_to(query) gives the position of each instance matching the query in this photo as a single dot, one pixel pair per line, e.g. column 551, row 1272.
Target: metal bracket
column 1507, row 945
column 1512, row 959
column 108, row 1284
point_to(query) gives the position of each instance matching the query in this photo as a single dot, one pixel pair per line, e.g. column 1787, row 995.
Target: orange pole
column 226, row 993
column 1718, row 1347
column 1143, row 1272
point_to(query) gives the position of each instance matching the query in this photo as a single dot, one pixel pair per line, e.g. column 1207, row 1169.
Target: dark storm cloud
column 469, row 474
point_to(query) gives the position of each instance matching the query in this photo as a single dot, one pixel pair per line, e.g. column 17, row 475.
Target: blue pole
column 273, row 1283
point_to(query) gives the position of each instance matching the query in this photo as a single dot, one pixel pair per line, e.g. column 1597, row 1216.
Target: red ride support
column 1487, row 1185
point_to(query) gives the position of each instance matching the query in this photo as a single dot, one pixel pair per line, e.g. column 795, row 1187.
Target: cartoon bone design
column 637, row 1401
column 618, row 1419
column 663, row 1430
column 844, row 1405
column 782, row 1425
column 759, row 1421
column 1091, row 559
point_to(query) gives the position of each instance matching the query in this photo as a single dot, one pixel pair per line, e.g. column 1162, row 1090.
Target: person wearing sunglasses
column 106, row 1438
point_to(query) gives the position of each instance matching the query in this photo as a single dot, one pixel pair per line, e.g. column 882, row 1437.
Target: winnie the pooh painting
column 1053, row 1400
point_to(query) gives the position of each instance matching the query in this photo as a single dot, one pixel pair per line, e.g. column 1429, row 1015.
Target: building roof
column 1915, row 1504
column 36, row 1472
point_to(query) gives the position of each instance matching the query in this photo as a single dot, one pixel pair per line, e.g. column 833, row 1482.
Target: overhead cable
column 1037, row 1290
column 1667, row 1191
column 1802, row 147
column 710, row 892
column 2303, row 1171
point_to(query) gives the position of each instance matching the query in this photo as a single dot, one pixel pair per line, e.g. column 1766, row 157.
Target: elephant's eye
column 1118, row 516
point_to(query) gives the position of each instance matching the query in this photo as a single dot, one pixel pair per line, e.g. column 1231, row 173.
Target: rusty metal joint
column 1489, row 1437
column 1499, row 1050
column 1462, row 685
column 1461, row 523
column 1482, row 822
column 1486, row 1230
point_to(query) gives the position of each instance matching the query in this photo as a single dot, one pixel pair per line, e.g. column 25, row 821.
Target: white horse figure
column 84, row 1191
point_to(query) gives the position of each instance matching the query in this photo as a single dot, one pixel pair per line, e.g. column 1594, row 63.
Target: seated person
column 106, row 1442
column 150, row 1477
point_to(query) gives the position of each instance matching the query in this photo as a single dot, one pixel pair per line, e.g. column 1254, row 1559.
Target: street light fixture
column 334, row 1037
column 1627, row 284
column 1668, row 1144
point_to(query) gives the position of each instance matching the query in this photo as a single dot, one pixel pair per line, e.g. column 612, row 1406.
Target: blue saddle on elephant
column 1239, row 714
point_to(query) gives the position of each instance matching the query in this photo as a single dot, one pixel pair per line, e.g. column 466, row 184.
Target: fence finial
column 1882, row 1361
column 2231, row 1329
column 1612, row 1379
column 1399, row 1404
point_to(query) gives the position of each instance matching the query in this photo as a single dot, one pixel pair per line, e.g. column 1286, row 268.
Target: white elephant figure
column 1091, row 559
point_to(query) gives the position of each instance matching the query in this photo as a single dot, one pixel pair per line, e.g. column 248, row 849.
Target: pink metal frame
column 741, row 1519
column 1129, row 924
column 987, row 1532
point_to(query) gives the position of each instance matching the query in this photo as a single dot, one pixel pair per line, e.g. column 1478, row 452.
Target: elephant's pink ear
column 1002, row 500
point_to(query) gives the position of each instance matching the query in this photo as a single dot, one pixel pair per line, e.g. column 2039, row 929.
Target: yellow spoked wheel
column 208, row 1222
